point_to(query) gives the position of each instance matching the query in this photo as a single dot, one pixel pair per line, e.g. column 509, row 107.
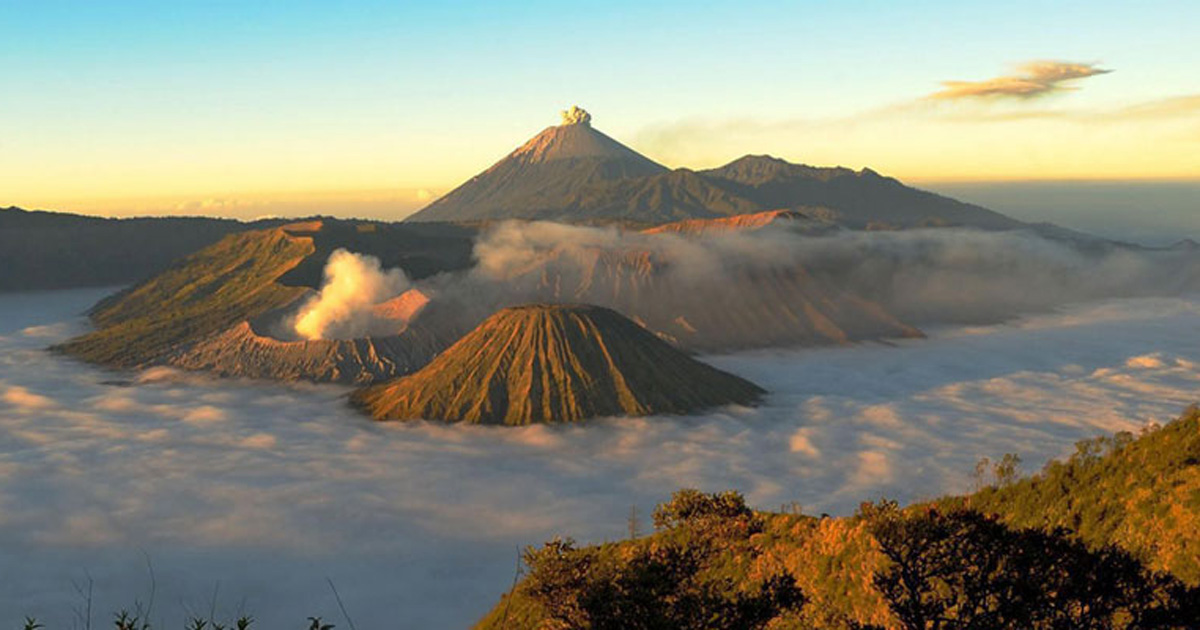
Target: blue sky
column 156, row 100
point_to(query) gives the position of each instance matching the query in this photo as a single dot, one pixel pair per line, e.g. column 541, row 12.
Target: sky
column 374, row 108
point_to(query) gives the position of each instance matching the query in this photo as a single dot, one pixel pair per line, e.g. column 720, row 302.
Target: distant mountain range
column 573, row 173
column 569, row 173
column 57, row 250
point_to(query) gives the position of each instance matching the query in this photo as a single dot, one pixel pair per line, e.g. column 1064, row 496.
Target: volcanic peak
column 548, row 363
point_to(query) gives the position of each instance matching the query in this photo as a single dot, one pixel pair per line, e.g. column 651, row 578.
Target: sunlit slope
column 555, row 363
column 221, row 309
column 539, row 178
column 1140, row 495
column 807, row 220
column 201, row 295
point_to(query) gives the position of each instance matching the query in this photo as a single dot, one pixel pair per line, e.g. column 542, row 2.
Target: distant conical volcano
column 555, row 363
column 544, row 175
column 572, row 173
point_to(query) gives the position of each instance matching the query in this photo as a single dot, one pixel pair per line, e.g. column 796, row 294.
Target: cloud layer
column 267, row 489
column 923, row 277
column 1032, row 79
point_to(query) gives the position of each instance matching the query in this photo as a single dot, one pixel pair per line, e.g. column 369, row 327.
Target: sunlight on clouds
column 1146, row 361
column 800, row 442
column 873, row 468
column 24, row 400
column 883, row 416
column 258, row 440
column 206, row 413
column 1033, row 79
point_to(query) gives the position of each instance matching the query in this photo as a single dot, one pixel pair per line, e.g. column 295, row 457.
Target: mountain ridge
column 573, row 173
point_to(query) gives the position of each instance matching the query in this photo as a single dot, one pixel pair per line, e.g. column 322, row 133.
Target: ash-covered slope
column 218, row 309
column 243, row 351
column 658, row 281
column 544, row 176
column 555, row 363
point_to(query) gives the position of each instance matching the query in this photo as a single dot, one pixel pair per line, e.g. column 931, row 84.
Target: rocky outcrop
column 241, row 351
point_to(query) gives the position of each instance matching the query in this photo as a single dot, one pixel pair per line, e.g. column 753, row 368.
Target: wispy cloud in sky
column 938, row 136
column 1032, row 79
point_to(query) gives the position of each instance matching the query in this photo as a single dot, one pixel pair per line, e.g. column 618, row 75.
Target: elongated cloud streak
column 1033, row 79
column 353, row 284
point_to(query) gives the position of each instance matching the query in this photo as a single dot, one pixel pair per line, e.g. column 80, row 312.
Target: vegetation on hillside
column 1141, row 494
column 1054, row 551
column 695, row 573
column 125, row 620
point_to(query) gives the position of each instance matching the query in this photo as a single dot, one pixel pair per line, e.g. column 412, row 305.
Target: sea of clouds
column 241, row 496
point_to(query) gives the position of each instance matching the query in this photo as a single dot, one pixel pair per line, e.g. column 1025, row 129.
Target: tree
column 675, row 579
column 1008, row 469
column 959, row 569
column 980, row 474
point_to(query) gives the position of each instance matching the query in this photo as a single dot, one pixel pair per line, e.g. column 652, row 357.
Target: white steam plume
column 353, row 284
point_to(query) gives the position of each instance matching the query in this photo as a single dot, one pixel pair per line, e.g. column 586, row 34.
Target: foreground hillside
column 57, row 250
column 1141, row 494
column 981, row 561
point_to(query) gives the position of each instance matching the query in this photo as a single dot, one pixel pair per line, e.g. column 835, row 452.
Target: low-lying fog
column 252, row 494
